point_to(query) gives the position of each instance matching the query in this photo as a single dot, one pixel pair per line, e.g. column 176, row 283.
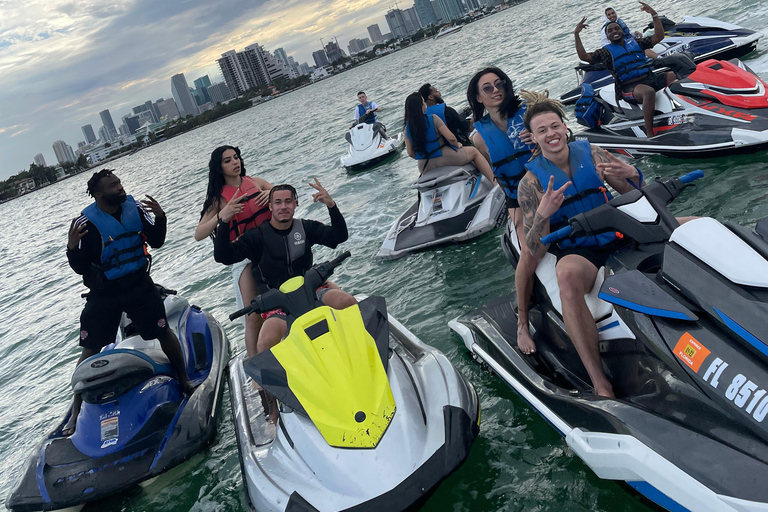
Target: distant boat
column 447, row 30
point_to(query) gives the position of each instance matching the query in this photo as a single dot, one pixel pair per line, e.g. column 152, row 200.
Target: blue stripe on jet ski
column 477, row 186
column 611, row 325
column 642, row 309
column 657, row 496
column 745, row 334
column 168, row 433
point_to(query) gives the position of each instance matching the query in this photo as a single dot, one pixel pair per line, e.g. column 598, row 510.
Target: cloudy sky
column 62, row 62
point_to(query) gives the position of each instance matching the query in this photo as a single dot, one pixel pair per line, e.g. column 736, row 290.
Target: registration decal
column 691, row 352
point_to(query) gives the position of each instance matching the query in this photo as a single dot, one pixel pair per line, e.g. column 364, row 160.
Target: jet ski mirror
column 301, row 298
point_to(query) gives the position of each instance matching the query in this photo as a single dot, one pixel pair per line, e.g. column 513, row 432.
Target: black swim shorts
column 657, row 81
column 597, row 256
column 101, row 316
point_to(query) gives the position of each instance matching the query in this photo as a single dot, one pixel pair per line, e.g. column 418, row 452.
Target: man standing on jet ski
column 281, row 249
column 633, row 70
column 366, row 107
column 435, row 105
column 106, row 245
column 563, row 181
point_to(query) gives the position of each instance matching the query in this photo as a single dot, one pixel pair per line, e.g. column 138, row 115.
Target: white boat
column 447, row 30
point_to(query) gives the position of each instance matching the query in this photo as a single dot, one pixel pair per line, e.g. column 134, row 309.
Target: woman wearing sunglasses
column 502, row 138
column 233, row 194
column 432, row 144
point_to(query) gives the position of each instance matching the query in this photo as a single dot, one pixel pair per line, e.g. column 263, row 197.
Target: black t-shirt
column 85, row 260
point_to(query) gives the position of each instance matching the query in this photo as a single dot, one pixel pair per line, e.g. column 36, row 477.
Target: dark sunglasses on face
column 499, row 85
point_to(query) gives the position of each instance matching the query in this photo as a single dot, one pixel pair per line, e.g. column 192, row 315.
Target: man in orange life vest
column 106, row 246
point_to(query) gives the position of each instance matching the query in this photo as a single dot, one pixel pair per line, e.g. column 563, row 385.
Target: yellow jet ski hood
column 332, row 367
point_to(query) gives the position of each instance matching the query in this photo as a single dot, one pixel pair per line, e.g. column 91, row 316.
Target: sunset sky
column 63, row 61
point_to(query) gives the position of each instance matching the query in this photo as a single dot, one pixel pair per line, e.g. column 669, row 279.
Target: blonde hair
column 539, row 103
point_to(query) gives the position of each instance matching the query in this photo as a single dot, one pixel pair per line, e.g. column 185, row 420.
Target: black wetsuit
column 268, row 250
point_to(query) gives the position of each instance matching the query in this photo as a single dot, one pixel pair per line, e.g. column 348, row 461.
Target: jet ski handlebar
column 298, row 300
column 613, row 216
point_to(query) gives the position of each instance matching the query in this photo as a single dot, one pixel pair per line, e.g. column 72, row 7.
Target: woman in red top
column 247, row 199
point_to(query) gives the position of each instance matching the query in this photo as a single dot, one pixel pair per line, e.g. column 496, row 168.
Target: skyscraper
column 184, row 100
column 219, row 93
column 333, row 51
column 168, row 108
column 88, row 133
column 321, row 59
column 280, row 54
column 40, row 159
column 63, row 152
column 412, row 24
column 438, row 12
column 396, row 22
column 131, row 123
column 202, row 84
column 426, row 12
column 109, row 125
column 375, row 32
column 450, row 9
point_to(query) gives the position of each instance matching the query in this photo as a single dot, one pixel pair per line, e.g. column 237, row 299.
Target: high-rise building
column 473, row 5
column 375, row 33
column 281, row 55
column 219, row 93
column 40, row 160
column 88, row 133
column 109, row 125
column 321, row 59
column 184, row 100
column 63, row 152
column 202, row 84
column 168, row 108
column 146, row 107
column 131, row 122
column 396, row 22
column 412, row 24
column 333, row 51
column 358, row 45
column 426, row 12
column 124, row 131
column 438, row 12
column 450, row 9
column 103, row 137
column 156, row 110
column 232, row 72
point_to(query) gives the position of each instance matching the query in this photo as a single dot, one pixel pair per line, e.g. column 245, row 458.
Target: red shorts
column 319, row 292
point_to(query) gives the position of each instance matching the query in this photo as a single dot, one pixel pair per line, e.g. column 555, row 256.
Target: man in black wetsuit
column 106, row 246
column 281, row 249
column 452, row 119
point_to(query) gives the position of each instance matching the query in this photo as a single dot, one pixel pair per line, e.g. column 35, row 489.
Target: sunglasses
column 498, row 85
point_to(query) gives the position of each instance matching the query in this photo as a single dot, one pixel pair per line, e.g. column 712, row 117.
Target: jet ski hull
column 382, row 149
column 96, row 462
column 290, row 467
column 453, row 211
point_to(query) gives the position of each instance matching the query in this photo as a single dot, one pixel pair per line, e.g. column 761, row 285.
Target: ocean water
column 518, row 463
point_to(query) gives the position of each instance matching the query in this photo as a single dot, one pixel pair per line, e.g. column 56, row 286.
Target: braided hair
column 540, row 103
column 93, row 183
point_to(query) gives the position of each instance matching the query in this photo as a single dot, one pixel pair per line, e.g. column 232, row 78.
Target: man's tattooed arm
column 529, row 196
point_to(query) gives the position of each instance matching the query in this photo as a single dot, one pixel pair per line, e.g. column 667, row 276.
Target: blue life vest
column 361, row 112
column 438, row 110
column 587, row 191
column 508, row 153
column 433, row 143
column 122, row 243
column 629, row 61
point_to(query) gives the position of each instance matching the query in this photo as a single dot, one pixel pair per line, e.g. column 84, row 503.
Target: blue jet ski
column 704, row 38
column 135, row 422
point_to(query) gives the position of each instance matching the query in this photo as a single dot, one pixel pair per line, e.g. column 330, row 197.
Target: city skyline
column 76, row 60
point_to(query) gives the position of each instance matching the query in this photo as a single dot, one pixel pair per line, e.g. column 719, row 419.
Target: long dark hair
column 415, row 120
column 216, row 176
column 509, row 104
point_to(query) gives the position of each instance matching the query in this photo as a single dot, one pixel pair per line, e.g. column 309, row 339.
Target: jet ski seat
column 105, row 377
column 546, row 273
column 631, row 108
column 444, row 176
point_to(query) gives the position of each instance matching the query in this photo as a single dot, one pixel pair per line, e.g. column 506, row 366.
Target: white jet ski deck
column 454, row 204
column 683, row 340
column 370, row 418
column 368, row 147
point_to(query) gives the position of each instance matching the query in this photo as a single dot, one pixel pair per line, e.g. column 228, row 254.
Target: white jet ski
column 370, row 417
column 454, row 204
column 368, row 146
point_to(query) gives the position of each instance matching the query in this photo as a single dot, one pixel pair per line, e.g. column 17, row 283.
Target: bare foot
column 605, row 390
column 270, row 407
column 524, row 341
column 69, row 428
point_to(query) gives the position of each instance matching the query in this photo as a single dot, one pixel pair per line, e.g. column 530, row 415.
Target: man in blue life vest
column 281, row 249
column 611, row 16
column 627, row 60
column 366, row 107
column 106, row 245
column 452, row 119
